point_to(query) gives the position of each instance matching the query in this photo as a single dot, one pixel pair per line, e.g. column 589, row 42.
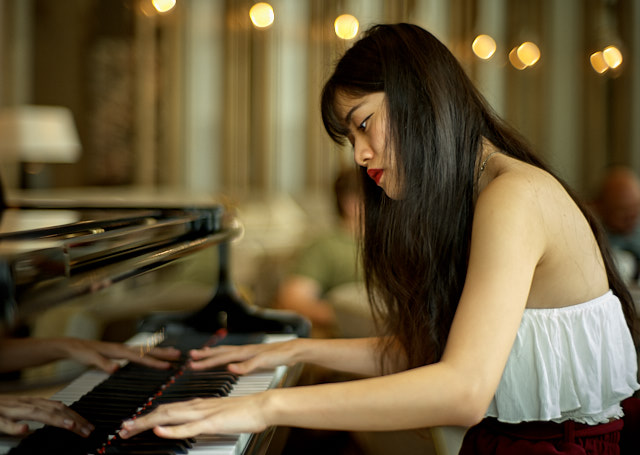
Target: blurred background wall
column 199, row 99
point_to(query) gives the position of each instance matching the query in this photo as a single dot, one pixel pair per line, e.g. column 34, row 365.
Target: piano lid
column 48, row 255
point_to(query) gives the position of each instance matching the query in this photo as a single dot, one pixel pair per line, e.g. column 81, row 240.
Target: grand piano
column 54, row 251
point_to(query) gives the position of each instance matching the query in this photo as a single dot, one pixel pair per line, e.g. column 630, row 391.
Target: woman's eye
column 363, row 125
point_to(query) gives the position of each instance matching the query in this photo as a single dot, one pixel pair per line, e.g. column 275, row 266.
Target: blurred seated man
column 19, row 353
column 326, row 263
column 618, row 205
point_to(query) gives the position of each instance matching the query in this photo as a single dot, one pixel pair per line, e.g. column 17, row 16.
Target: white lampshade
column 39, row 134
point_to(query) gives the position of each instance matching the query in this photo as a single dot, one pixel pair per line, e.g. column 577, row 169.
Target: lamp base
column 35, row 176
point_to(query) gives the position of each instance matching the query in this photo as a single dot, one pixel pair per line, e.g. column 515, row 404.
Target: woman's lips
column 375, row 174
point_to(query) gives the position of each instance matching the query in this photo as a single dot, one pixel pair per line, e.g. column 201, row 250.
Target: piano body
column 88, row 249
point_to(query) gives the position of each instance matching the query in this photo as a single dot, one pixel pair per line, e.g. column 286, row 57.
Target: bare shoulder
column 519, row 188
column 527, row 210
column 517, row 210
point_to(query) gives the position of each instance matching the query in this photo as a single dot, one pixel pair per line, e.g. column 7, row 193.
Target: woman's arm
column 357, row 355
column 416, row 398
column 508, row 241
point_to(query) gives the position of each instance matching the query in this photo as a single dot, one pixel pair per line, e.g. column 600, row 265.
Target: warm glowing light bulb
column 346, row 26
column 598, row 63
column 515, row 60
column 612, row 56
column 484, row 46
column 261, row 15
column 528, row 53
column 162, row 6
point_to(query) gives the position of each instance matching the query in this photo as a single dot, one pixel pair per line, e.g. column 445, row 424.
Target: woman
column 496, row 293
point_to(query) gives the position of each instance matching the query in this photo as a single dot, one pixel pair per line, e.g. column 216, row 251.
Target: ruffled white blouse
column 572, row 363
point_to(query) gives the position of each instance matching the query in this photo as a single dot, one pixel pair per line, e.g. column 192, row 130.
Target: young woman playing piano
column 497, row 295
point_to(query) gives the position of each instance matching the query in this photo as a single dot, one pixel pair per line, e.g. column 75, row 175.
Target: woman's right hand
column 14, row 409
column 247, row 358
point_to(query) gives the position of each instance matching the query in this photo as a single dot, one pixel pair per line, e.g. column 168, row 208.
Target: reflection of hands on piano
column 19, row 353
column 13, row 409
column 103, row 354
column 186, row 419
column 245, row 358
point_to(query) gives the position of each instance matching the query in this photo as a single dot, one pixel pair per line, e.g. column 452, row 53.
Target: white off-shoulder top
column 572, row 363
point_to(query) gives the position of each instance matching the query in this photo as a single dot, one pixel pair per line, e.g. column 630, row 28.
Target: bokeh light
column 262, row 15
column 528, row 53
column 346, row 26
column 515, row 60
column 598, row 63
column 612, row 56
column 484, row 46
column 163, row 6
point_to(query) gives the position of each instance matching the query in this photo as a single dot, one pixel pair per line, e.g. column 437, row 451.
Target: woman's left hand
column 202, row 416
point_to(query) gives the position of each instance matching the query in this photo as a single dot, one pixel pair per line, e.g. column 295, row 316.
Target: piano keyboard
column 106, row 400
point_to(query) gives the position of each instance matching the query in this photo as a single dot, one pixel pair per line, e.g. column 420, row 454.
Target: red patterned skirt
column 618, row 437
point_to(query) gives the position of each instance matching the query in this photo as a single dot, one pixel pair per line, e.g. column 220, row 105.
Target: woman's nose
column 362, row 153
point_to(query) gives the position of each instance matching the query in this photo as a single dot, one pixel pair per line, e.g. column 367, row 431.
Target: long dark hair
column 415, row 251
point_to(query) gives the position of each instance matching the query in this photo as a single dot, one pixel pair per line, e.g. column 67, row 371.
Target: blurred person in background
column 618, row 206
column 326, row 263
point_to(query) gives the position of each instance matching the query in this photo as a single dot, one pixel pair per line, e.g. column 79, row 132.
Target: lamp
column 38, row 134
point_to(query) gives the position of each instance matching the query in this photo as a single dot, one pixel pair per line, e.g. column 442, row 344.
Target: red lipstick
column 375, row 174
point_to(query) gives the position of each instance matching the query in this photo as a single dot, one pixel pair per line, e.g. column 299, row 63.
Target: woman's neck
column 488, row 169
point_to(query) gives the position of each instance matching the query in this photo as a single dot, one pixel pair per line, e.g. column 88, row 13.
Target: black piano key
column 147, row 443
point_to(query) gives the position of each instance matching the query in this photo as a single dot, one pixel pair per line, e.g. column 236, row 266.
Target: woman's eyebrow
column 347, row 119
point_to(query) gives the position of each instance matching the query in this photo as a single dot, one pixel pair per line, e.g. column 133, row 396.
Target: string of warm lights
column 527, row 54
column 523, row 56
column 262, row 16
column 346, row 27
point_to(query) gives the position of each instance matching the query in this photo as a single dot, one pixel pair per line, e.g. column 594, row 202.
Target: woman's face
column 366, row 119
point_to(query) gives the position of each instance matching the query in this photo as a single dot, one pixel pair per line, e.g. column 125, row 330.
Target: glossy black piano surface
column 49, row 255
